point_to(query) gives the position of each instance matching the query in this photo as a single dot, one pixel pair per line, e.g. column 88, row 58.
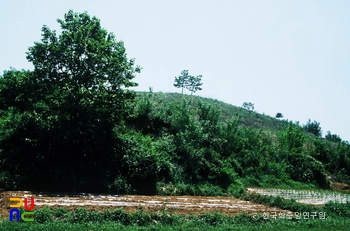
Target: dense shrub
column 313, row 127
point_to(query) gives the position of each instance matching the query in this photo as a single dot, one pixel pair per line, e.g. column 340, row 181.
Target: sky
column 287, row 56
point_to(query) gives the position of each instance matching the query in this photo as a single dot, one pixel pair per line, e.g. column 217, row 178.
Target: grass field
column 182, row 224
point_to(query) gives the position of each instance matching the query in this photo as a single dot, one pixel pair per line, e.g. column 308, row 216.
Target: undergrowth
column 82, row 219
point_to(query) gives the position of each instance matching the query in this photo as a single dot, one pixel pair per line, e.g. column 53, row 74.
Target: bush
column 140, row 218
column 213, row 218
column 143, row 163
column 333, row 137
column 292, row 138
column 120, row 186
column 61, row 214
column 313, row 128
column 42, row 215
column 117, row 215
column 6, row 181
column 236, row 189
column 338, row 209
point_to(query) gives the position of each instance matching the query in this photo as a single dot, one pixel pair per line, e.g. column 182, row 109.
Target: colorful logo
column 22, row 216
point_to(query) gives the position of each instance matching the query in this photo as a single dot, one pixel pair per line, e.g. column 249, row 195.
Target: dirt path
column 130, row 203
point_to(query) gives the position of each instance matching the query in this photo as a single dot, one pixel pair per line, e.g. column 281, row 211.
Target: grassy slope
column 253, row 119
column 269, row 125
column 228, row 111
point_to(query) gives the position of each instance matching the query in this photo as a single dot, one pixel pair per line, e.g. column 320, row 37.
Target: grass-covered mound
column 169, row 144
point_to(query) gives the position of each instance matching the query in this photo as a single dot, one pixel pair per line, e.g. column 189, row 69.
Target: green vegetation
column 332, row 137
column 248, row 106
column 73, row 125
column 189, row 82
column 302, row 226
column 58, row 121
column 73, row 122
column 313, row 127
column 279, row 115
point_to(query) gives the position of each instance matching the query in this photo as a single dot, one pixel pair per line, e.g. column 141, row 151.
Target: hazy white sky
column 284, row 56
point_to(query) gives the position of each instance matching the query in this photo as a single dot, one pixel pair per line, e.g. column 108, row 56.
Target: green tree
column 333, row 137
column 279, row 115
column 194, row 83
column 70, row 104
column 182, row 80
column 85, row 63
column 15, row 90
column 313, row 127
column 189, row 82
column 292, row 138
column 248, row 106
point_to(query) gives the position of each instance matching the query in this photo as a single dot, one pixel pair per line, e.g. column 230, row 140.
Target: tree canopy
column 313, row 127
column 84, row 66
column 248, row 106
column 279, row 115
column 189, row 82
column 64, row 112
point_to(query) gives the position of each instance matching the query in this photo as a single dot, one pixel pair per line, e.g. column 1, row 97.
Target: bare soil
column 340, row 187
column 130, row 203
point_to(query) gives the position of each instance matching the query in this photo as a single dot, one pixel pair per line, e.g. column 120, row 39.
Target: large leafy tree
column 83, row 67
column 64, row 112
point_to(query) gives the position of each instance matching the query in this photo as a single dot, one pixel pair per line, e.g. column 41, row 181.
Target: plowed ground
column 130, row 203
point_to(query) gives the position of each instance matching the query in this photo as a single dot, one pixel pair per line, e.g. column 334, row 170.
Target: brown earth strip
column 130, row 203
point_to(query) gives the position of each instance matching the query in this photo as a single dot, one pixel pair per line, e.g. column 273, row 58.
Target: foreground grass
column 316, row 225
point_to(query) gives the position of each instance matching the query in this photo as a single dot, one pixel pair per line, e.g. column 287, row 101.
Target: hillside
column 326, row 160
column 227, row 111
column 167, row 143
